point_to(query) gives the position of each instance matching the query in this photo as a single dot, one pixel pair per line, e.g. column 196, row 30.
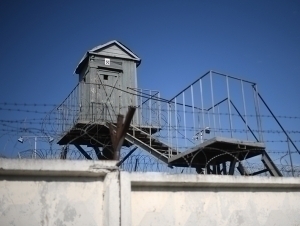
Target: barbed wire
column 158, row 108
column 140, row 162
column 46, row 150
column 188, row 128
column 146, row 163
column 26, row 120
column 22, row 110
column 26, row 129
column 28, row 104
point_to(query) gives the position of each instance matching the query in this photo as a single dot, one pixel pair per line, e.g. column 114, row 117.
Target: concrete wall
column 56, row 192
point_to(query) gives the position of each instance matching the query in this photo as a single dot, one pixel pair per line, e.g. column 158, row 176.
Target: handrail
column 170, row 148
column 68, row 95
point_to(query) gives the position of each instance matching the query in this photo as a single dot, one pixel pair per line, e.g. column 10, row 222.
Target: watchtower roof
column 113, row 48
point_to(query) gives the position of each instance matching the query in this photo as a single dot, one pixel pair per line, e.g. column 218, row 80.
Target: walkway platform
column 216, row 151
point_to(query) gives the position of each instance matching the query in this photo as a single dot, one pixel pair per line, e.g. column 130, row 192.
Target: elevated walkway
column 217, row 151
column 210, row 157
column 167, row 129
column 214, row 154
column 95, row 134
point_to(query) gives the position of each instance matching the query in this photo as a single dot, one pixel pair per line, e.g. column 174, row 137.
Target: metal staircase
column 204, row 128
column 214, row 153
column 145, row 139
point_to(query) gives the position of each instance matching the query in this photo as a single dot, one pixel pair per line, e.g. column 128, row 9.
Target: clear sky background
column 178, row 41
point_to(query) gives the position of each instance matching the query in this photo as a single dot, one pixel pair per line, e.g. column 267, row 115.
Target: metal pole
column 175, row 117
column 212, row 100
column 245, row 112
column 137, row 115
column 189, row 86
column 159, row 110
column 64, row 118
column 35, row 139
column 208, row 118
column 184, row 119
column 141, row 109
column 229, row 106
column 258, row 113
column 220, row 126
column 150, row 115
column 168, row 127
column 192, row 93
column 201, row 96
column 244, row 120
column 170, row 124
column 278, row 122
column 290, row 156
column 77, row 103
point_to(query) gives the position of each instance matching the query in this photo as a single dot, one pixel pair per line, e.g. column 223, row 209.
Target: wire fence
column 146, row 163
column 214, row 105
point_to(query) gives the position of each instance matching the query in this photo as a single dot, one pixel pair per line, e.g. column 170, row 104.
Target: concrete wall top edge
column 179, row 180
column 72, row 168
column 88, row 168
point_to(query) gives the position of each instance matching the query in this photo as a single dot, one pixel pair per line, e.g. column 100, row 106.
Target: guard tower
column 207, row 126
column 107, row 87
column 105, row 74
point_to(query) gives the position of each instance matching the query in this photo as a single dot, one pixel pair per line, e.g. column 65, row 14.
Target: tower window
column 105, row 77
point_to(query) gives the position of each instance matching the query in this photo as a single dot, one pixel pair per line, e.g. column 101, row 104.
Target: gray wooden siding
column 105, row 92
column 128, row 82
column 97, row 61
column 114, row 51
column 83, row 72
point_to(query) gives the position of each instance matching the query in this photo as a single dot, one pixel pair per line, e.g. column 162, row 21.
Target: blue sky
column 43, row 41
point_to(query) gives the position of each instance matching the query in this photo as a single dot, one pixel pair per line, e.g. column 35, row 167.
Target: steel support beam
column 64, row 151
column 232, row 165
column 98, row 153
column 214, row 169
column 259, row 172
column 83, row 152
column 242, row 170
column 126, row 156
column 208, row 170
column 224, row 168
column 269, row 164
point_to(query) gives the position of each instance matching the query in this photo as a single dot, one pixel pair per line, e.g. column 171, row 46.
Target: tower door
column 106, row 93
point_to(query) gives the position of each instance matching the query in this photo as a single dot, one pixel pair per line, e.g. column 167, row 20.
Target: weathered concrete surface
column 26, row 167
column 186, row 180
column 45, row 192
column 35, row 192
column 159, row 199
column 44, row 201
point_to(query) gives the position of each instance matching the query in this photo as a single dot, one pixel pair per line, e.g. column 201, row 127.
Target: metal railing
column 214, row 105
column 86, row 105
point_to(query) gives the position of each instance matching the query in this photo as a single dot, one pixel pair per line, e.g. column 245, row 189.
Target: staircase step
column 144, row 137
column 152, row 141
column 141, row 136
column 159, row 147
column 167, row 152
